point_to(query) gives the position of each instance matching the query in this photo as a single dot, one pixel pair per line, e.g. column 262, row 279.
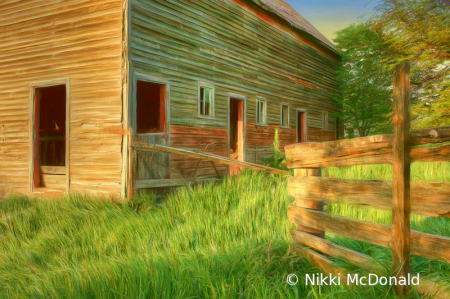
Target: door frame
column 33, row 128
column 132, row 114
column 305, row 129
column 244, row 118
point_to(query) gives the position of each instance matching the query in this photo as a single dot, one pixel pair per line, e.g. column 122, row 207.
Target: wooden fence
column 137, row 150
column 401, row 196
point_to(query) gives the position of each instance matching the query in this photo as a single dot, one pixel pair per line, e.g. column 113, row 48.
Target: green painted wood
column 228, row 46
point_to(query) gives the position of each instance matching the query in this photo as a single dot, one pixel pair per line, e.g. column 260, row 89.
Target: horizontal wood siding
column 233, row 48
column 213, row 141
column 319, row 135
column 76, row 40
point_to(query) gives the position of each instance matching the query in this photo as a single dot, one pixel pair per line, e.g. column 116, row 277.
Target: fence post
column 307, row 203
column 401, row 180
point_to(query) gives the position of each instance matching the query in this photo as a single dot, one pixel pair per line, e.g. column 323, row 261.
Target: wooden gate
column 401, row 196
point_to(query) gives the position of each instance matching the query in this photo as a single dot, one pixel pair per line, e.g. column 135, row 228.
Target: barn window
column 150, row 112
column 261, row 112
column 324, row 120
column 206, row 101
column 285, row 116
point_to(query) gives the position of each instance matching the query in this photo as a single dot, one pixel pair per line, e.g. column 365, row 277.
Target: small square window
column 206, row 101
column 324, row 120
column 285, row 116
column 261, row 113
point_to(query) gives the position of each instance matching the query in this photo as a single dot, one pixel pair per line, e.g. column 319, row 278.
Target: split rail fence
column 401, row 196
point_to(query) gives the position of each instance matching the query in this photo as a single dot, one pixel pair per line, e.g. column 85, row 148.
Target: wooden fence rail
column 400, row 195
column 375, row 149
column 427, row 198
column 138, row 148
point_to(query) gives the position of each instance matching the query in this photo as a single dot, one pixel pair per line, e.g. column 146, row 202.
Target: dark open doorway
column 236, row 132
column 150, row 113
column 301, row 126
column 151, row 127
column 50, row 137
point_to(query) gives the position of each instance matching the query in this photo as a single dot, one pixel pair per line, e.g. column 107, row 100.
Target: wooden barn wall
column 77, row 40
column 235, row 49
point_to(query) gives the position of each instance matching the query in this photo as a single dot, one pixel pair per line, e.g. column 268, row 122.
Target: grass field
column 225, row 240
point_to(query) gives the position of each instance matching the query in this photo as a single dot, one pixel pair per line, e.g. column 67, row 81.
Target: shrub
column 277, row 159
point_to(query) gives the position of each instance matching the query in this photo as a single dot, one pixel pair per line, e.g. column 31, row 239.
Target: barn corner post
column 401, row 176
column 131, row 165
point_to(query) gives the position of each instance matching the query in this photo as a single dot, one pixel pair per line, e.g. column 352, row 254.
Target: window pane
column 207, row 97
column 202, row 102
column 258, row 115
column 325, row 120
column 263, row 112
column 206, row 101
column 284, row 116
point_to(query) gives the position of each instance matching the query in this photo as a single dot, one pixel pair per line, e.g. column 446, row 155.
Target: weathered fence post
column 401, row 171
column 308, row 203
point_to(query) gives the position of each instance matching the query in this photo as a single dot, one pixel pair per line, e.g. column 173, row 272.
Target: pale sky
column 329, row 16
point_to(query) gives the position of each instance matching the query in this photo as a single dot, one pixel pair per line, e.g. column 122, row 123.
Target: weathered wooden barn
column 77, row 76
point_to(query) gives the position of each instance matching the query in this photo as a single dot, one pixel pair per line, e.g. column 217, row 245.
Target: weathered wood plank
column 424, row 154
column 427, row 198
column 130, row 174
column 332, row 249
column 205, row 156
column 53, row 170
column 435, row 290
column 157, row 183
column 53, row 181
column 430, row 135
column 317, row 259
column 346, row 147
column 401, row 206
column 427, row 245
column 359, row 230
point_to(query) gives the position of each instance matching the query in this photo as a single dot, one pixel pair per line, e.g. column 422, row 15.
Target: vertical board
column 401, row 208
column 152, row 165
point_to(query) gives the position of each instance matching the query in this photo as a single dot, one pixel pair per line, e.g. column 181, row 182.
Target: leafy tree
column 419, row 31
column 400, row 30
column 365, row 80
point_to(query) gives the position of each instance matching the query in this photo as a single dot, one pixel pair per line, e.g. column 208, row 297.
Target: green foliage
column 400, row 30
column 365, row 81
column 276, row 159
column 419, row 31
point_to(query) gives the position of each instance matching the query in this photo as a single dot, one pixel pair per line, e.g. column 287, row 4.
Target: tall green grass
column 220, row 240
